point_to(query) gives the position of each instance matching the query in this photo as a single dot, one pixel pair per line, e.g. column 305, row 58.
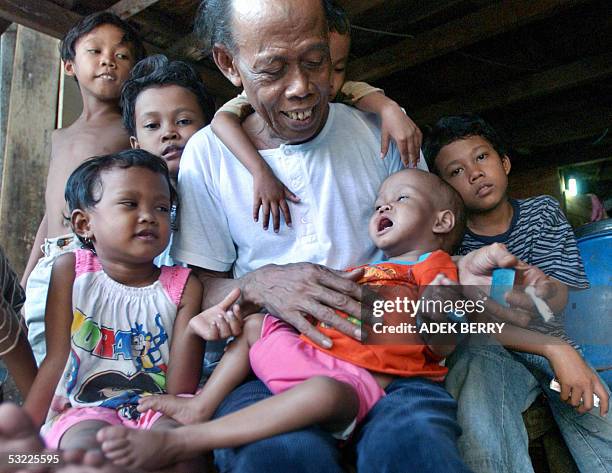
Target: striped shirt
column 539, row 235
column 12, row 298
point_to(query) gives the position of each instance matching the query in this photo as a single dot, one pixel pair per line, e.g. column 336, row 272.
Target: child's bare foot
column 140, row 449
column 17, row 432
column 91, row 461
column 186, row 410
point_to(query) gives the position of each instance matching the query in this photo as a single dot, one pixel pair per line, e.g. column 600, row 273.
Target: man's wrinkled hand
column 295, row 291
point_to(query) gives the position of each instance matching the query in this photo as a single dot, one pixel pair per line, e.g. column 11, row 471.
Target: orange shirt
column 404, row 354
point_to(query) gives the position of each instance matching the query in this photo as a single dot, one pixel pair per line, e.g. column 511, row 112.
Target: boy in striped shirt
column 494, row 384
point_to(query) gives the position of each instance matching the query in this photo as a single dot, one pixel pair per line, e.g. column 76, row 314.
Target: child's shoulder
column 539, row 201
column 181, row 285
column 64, row 267
column 539, row 208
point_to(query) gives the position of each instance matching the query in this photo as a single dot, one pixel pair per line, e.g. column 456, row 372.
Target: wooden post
column 7, row 56
column 31, row 119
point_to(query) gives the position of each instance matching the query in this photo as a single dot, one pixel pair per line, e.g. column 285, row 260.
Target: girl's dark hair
column 156, row 71
column 84, row 186
column 91, row 22
column 459, row 127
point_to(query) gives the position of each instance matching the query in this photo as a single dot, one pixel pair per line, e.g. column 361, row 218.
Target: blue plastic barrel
column 588, row 315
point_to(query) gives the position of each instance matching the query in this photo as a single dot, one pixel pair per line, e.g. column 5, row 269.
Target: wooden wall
column 31, row 118
column 524, row 183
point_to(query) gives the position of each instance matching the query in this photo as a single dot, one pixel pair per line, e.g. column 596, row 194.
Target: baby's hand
column 271, row 194
column 219, row 321
column 578, row 381
column 398, row 126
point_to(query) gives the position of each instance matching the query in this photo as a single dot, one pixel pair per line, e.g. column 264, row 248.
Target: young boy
column 335, row 388
column 98, row 52
column 494, row 385
column 269, row 192
column 15, row 351
column 164, row 103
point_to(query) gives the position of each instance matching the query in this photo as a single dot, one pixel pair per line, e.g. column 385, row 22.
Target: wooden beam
column 576, row 124
column 51, row 19
column 470, row 29
column 128, row 8
column 564, row 77
column 355, row 7
column 32, row 114
column 41, row 15
column 7, row 56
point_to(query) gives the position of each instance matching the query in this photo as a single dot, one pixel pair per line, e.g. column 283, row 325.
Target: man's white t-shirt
column 336, row 175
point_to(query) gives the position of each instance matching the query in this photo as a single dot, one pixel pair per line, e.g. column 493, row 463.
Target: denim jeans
column 493, row 387
column 412, row 429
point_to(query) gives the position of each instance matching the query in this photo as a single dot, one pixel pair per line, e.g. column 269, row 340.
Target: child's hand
column 578, row 381
column 398, row 126
column 271, row 194
column 219, row 321
column 552, row 292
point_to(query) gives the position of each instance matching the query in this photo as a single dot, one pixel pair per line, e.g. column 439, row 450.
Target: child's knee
column 330, row 392
column 251, row 329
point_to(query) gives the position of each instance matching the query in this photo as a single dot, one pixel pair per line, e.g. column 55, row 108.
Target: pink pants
column 281, row 359
column 75, row 415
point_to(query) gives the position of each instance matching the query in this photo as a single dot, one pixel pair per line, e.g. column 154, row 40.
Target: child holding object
column 470, row 156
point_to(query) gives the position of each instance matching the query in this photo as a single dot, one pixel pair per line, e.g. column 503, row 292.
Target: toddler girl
column 113, row 317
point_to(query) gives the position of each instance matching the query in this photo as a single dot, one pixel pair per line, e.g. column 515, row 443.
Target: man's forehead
column 260, row 24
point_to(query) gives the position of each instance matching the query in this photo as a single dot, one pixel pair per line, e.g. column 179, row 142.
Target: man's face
column 283, row 62
column 476, row 171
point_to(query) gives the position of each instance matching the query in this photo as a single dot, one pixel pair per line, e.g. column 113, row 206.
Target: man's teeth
column 299, row 115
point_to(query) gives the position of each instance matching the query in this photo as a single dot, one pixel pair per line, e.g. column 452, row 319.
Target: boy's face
column 166, row 117
column 404, row 213
column 102, row 62
column 339, row 47
column 476, row 171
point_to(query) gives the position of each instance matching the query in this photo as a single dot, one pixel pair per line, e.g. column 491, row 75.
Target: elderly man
column 277, row 50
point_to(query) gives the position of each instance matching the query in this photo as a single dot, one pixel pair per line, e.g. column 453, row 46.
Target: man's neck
column 492, row 222
column 264, row 137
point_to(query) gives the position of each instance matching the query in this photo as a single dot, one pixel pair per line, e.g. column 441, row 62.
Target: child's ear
column 134, row 142
column 506, row 164
column 445, row 221
column 225, row 61
column 80, row 223
column 69, row 68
